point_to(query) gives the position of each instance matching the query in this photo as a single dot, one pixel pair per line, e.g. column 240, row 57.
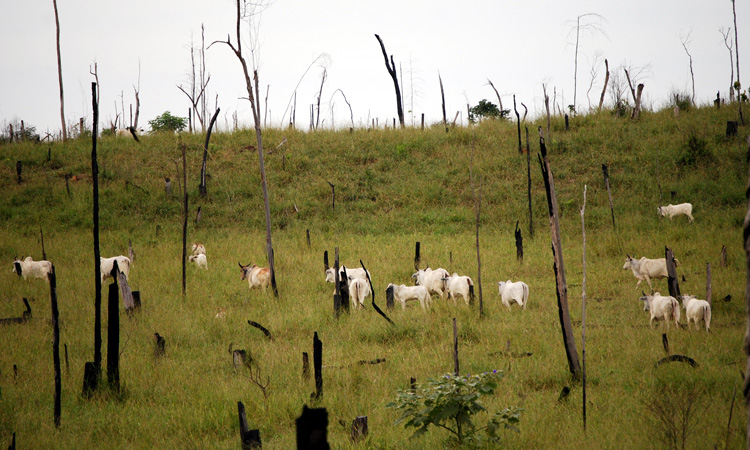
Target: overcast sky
column 517, row 45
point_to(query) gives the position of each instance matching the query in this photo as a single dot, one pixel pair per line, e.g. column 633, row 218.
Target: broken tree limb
column 261, row 328
column 372, row 290
column 678, row 358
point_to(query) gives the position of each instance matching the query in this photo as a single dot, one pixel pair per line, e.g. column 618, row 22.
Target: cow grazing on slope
column 697, row 310
column 199, row 260
column 676, row 210
column 403, row 294
column 433, row 280
column 359, row 289
column 662, row 308
column 107, row 264
column 511, row 292
column 28, row 268
column 256, row 276
column 463, row 286
column 646, row 269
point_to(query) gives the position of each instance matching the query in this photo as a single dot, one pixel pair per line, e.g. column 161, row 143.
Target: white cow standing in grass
column 199, row 260
column 676, row 210
column 517, row 292
column 646, row 269
column 28, row 268
column 463, row 286
column 351, row 272
column 403, row 294
column 255, row 276
column 107, row 264
column 697, row 310
column 359, row 289
column 433, row 280
column 662, row 308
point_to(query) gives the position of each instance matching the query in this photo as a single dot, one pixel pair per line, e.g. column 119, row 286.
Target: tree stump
column 312, row 429
column 359, row 428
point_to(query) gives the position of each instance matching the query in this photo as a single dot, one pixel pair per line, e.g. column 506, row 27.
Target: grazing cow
column 697, row 310
column 662, row 308
column 107, row 264
column 456, row 285
column 198, row 249
column 646, row 269
column 511, row 292
column 199, row 260
column 403, row 294
column 359, row 289
column 256, row 276
column 126, row 132
column 356, row 272
column 675, row 210
column 433, row 280
column 30, row 268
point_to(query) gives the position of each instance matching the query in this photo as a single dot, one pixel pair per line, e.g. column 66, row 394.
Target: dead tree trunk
column 528, row 176
column 184, row 222
column 442, row 99
column 583, row 308
column 606, row 81
column 605, row 171
column 673, row 284
column 55, row 343
column 518, row 122
column 519, row 244
column 455, row 348
column 249, row 439
column 561, row 284
column 312, row 429
column 746, row 239
column 97, row 261
column 59, row 74
column 392, row 72
column 202, row 188
column 318, row 366
column 113, row 334
column 637, row 108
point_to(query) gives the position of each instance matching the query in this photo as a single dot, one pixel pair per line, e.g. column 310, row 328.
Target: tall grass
column 393, row 187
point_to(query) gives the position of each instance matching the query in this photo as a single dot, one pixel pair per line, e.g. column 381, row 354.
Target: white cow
column 359, row 289
column 199, row 260
column 125, row 132
column 30, row 268
column 403, row 294
column 696, row 310
column 256, row 276
column 646, row 269
column 356, row 272
column 517, row 292
column 107, row 264
column 433, row 280
column 675, row 210
column 456, row 285
column 662, row 308
column 198, row 249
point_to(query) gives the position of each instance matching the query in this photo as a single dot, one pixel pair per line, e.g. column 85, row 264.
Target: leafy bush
column 168, row 122
column 696, row 150
column 681, row 100
column 485, row 109
column 450, row 402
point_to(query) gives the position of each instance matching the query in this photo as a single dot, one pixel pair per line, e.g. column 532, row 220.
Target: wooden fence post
column 519, row 244
column 673, row 284
column 160, row 345
column 312, row 429
column 308, row 237
column 113, row 333
column 250, row 439
column 55, row 343
column 417, row 257
column 528, row 176
column 389, row 298
column 455, row 348
column 305, row 366
column 359, row 428
column 337, row 291
column 318, row 366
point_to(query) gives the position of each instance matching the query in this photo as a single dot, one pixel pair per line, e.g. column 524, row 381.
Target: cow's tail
column 471, row 290
column 707, row 317
column 525, row 295
column 355, row 295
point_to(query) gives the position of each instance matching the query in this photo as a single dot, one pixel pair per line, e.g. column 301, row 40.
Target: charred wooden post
column 67, row 183
column 561, row 284
column 455, row 348
column 318, row 367
column 519, row 244
column 261, row 328
column 67, row 365
column 13, row 441
column 312, row 429
column 307, row 232
column 333, row 196
column 412, row 383
column 325, row 261
column 55, row 343
column 97, row 261
column 127, row 295
column 673, row 284
column 359, row 428
column 372, row 290
column 665, row 342
column 131, row 252
column 605, row 171
column 41, row 235
column 337, row 284
column 24, row 317
column 202, row 187
column 198, row 215
column 389, row 298
column 731, row 129
column 113, row 334
column 250, row 439
column 567, row 123
column 344, row 290
column 19, row 168
column 723, row 260
column 90, row 379
column 305, row 366
column 422, row 121
column 240, row 358
column 160, row 345
column 184, row 221
column 417, row 257
column 392, row 72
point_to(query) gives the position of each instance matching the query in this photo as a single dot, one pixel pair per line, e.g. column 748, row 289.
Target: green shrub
column 695, row 151
column 167, row 122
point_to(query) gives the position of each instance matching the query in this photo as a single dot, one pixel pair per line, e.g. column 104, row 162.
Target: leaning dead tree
column 637, row 96
column 561, row 284
column 499, row 100
column 391, row 66
column 746, row 237
column 606, row 81
column 253, row 95
column 197, row 94
column 60, row 77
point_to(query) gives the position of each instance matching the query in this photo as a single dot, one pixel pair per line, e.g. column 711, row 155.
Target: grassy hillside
column 393, row 187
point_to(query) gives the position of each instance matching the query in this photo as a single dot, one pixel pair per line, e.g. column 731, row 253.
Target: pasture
column 393, row 188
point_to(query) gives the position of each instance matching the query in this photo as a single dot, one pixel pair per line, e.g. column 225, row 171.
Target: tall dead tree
column 737, row 61
column 685, row 40
column 97, row 259
column 197, row 94
column 442, row 99
column 392, row 72
column 499, row 100
column 202, row 188
column 477, row 213
column 636, row 96
column 606, row 81
column 746, row 238
column 589, row 27
column 561, row 284
column 252, row 91
column 728, row 44
column 583, row 306
column 518, row 122
column 528, row 176
column 59, row 74
column 323, row 78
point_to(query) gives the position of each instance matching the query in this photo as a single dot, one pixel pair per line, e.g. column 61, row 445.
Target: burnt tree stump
column 312, row 429
column 250, row 439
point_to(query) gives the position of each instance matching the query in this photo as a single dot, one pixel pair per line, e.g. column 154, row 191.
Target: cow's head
column 17, row 266
column 245, row 271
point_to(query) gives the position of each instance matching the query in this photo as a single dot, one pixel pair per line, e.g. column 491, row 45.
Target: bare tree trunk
column 392, row 71
column 737, row 61
column 442, row 98
column 583, row 307
column 202, row 188
column 252, row 92
column 606, row 81
column 97, row 259
column 637, row 108
column 746, row 238
column 320, row 93
column 499, row 100
column 518, row 122
column 528, row 176
column 59, row 74
column 561, row 284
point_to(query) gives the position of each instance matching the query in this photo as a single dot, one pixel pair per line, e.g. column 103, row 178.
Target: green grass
column 393, row 187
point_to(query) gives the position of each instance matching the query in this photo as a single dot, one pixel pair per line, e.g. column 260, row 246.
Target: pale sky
column 517, row 45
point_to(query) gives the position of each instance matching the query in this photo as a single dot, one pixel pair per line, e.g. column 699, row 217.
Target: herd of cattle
column 429, row 282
